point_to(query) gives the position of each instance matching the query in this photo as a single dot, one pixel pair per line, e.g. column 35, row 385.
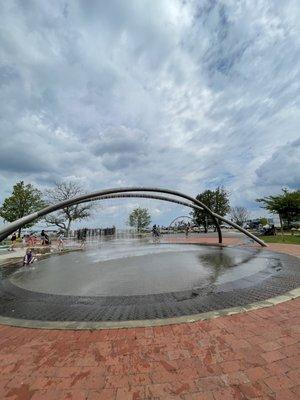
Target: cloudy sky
column 173, row 93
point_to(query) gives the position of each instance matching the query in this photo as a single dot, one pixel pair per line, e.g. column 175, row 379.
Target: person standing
column 187, row 228
column 30, row 240
column 24, row 240
column 43, row 237
column 155, row 233
column 154, row 230
column 61, row 242
column 13, row 240
column 83, row 238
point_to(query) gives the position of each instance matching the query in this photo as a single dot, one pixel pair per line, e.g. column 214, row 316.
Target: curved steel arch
column 10, row 228
column 143, row 196
column 87, row 197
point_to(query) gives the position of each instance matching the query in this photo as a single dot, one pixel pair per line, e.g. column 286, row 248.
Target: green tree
column 286, row 205
column 217, row 200
column 139, row 218
column 64, row 217
column 25, row 199
column 263, row 221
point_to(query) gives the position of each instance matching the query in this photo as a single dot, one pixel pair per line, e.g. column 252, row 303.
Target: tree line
column 286, row 205
column 26, row 199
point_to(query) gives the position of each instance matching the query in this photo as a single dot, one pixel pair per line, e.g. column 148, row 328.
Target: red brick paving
column 202, row 240
column 253, row 355
column 230, row 357
column 293, row 249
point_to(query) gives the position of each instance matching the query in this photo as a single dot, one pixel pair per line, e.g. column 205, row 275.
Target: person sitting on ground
column 28, row 258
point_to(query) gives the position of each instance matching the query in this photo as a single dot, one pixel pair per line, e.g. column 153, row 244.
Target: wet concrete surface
column 137, row 268
column 136, row 279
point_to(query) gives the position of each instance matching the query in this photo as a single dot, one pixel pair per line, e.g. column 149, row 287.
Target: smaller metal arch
column 181, row 216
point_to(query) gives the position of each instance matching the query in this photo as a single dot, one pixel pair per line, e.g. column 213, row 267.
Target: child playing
column 28, row 258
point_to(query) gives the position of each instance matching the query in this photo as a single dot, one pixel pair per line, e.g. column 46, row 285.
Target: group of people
column 29, row 257
column 29, row 240
column 156, row 231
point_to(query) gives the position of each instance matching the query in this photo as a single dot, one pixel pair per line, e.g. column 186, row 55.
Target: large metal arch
column 96, row 195
column 13, row 226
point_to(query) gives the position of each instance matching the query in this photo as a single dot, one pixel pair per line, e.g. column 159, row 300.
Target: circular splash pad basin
column 138, row 280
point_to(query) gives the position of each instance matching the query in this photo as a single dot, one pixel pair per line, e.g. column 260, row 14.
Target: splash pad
column 134, row 280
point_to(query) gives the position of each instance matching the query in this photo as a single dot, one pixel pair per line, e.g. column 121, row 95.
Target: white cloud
column 286, row 162
column 187, row 95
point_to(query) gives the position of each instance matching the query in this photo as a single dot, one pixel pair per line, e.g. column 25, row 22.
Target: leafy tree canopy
column 25, row 199
column 139, row 218
column 263, row 221
column 286, row 205
column 217, row 200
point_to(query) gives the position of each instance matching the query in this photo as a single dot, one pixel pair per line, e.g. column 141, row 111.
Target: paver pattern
column 204, row 240
column 253, row 355
column 293, row 249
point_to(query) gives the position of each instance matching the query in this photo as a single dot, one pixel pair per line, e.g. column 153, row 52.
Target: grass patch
column 287, row 239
